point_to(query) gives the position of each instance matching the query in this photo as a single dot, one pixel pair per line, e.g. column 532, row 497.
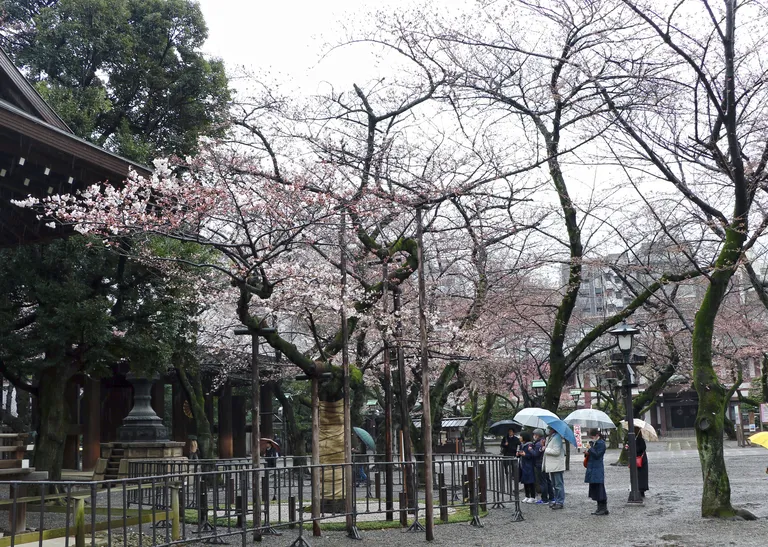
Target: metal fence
column 165, row 502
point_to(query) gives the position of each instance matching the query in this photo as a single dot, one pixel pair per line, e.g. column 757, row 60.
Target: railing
column 170, row 502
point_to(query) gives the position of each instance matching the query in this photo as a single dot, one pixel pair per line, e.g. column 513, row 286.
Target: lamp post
column 625, row 339
column 538, row 387
column 575, row 395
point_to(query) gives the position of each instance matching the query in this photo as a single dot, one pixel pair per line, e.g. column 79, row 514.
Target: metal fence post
column 472, row 487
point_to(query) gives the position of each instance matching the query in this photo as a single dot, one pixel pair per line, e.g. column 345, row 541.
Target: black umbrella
column 501, row 428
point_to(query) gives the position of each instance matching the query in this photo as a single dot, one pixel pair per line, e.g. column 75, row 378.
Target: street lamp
column 625, row 339
column 576, row 395
column 538, row 387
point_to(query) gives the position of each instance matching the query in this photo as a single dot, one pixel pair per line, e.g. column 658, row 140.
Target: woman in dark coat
column 642, row 471
column 528, row 467
column 595, row 474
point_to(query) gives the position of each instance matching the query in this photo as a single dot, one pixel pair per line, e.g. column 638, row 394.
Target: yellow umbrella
column 760, row 438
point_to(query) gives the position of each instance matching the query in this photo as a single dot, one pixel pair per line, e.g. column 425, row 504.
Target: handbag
column 586, row 458
column 639, row 460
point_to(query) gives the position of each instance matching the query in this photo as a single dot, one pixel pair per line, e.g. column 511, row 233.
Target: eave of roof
column 30, row 94
column 17, row 120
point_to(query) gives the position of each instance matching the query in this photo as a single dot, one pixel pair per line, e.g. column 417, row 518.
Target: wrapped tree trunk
column 332, row 452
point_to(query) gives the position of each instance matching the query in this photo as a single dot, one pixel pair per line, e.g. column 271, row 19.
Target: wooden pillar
column 92, row 419
column 267, row 416
column 158, row 398
column 209, row 413
column 178, row 418
column 225, row 422
column 71, row 391
column 238, row 427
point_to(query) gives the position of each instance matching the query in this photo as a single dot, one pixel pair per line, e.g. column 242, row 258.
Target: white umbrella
column 590, row 417
column 646, row 429
column 530, row 417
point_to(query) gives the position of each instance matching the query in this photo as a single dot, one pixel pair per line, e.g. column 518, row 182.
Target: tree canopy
column 125, row 74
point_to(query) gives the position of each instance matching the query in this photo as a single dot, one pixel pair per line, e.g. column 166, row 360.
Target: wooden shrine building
column 41, row 156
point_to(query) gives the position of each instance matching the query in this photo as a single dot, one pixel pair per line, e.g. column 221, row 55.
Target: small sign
column 764, row 412
column 751, row 428
column 577, row 434
column 738, row 415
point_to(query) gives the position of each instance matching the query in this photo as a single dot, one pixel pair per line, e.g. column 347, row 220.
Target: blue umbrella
column 561, row 427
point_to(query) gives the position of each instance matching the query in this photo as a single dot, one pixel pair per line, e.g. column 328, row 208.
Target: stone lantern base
column 141, row 437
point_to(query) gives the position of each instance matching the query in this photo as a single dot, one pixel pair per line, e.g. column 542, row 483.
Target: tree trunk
column 716, row 497
column 730, row 431
column 23, row 409
column 764, row 378
column 194, row 389
column 332, row 448
column 480, row 422
column 54, row 419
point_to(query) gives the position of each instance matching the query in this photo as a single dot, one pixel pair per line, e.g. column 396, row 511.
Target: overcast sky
column 284, row 38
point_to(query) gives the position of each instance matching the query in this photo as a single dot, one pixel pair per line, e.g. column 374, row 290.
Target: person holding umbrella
column 528, row 467
column 595, row 473
column 509, row 447
column 554, row 464
column 542, row 479
column 642, row 468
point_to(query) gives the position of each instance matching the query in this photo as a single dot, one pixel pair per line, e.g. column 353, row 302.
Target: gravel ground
column 670, row 516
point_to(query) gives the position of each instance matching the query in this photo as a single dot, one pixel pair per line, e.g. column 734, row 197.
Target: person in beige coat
column 554, row 464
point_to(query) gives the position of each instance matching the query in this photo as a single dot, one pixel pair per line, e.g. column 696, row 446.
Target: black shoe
column 557, row 506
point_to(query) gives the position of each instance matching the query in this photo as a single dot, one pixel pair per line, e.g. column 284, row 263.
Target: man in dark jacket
column 509, row 446
column 595, row 474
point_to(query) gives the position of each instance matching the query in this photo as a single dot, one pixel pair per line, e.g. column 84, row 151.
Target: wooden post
column 267, row 416
column 389, row 481
column 80, row 522
column 238, row 427
column 208, row 405
column 71, row 444
column 175, row 513
column 443, row 504
column 226, row 448
column 92, row 433
column 316, row 487
column 405, row 419
column 255, row 434
column 349, row 493
column 403, row 509
column 483, row 479
column 292, row 511
column 19, row 513
column 426, row 421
